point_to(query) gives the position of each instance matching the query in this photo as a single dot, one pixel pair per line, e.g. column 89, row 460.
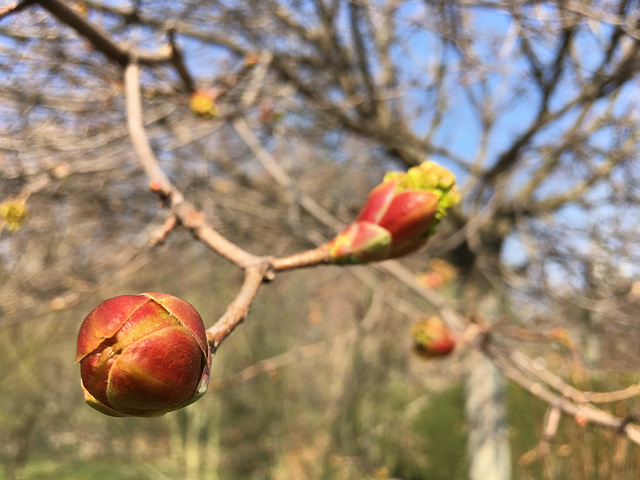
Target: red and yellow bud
column 398, row 217
column 361, row 242
column 432, row 338
column 143, row 355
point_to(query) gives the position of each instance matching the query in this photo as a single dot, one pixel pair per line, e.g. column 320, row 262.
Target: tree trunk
column 486, row 411
column 488, row 447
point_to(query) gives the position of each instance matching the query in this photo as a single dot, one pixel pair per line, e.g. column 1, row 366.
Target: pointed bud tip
column 360, row 242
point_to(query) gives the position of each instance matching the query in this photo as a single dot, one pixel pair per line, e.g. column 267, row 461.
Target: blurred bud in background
column 432, row 338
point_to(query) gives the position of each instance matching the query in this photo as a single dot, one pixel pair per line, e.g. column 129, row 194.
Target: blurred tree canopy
column 275, row 118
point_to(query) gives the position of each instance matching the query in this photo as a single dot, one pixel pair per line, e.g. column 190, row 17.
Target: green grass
column 442, row 430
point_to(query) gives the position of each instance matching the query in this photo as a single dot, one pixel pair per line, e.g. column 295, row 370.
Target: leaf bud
column 143, row 355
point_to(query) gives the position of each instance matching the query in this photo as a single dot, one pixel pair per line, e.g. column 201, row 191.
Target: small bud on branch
column 13, row 214
column 432, row 338
column 203, row 102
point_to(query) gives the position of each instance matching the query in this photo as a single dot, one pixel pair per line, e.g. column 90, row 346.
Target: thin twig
column 160, row 235
column 309, row 258
column 184, row 211
column 178, row 62
column 281, row 176
column 530, row 366
column 135, row 123
column 15, row 8
column 439, row 302
column 239, row 308
column 98, row 37
column 288, row 358
column 589, row 412
column 550, row 429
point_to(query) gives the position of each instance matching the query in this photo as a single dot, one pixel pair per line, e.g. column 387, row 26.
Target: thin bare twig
column 160, row 235
column 15, row 8
column 281, row 176
column 550, row 429
column 528, row 365
column 98, row 37
column 316, row 256
column 178, row 62
column 184, row 211
column 239, row 308
column 590, row 413
column 291, row 357
column 135, row 123
column 306, row 352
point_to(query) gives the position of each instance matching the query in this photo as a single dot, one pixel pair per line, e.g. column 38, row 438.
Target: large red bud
column 143, row 355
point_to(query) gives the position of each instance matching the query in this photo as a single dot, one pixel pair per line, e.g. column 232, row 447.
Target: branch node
column 631, row 418
column 163, row 193
column 160, row 235
column 268, row 271
column 190, row 218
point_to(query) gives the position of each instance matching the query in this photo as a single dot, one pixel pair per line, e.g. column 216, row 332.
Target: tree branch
column 589, row 412
column 184, row 211
column 239, row 308
column 98, row 37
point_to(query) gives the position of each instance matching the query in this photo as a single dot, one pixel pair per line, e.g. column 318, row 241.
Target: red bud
column 398, row 217
column 433, row 338
column 143, row 355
